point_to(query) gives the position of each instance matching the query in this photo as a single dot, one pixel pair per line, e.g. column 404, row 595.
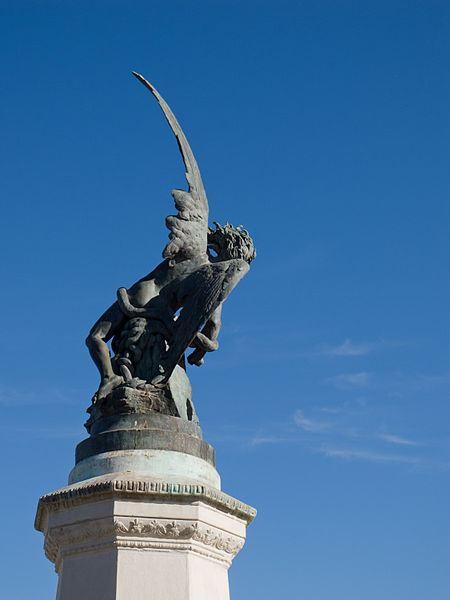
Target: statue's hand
column 202, row 345
column 202, row 342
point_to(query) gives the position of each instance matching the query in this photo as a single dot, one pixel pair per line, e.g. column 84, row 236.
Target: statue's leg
column 96, row 342
column 206, row 339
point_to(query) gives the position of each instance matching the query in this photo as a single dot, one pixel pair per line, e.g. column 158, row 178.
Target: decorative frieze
column 180, row 529
column 143, row 534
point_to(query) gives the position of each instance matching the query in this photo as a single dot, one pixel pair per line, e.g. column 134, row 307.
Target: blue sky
column 320, row 126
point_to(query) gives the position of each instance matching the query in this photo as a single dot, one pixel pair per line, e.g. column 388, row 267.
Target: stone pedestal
column 133, row 534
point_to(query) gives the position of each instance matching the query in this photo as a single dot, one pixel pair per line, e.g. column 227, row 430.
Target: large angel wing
column 189, row 228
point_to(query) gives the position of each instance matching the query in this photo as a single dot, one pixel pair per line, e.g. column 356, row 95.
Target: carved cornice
column 129, row 488
column 145, row 534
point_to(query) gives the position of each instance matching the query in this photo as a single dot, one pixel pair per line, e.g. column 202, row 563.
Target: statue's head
column 227, row 242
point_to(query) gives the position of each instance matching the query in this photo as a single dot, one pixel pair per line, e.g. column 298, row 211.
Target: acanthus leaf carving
column 215, row 538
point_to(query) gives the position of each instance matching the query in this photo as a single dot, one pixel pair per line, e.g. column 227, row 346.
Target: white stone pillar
column 125, row 537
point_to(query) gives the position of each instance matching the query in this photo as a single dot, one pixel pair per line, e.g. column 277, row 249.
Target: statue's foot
column 136, row 383
column 108, row 385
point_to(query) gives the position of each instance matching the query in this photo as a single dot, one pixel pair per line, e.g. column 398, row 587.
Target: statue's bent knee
column 92, row 340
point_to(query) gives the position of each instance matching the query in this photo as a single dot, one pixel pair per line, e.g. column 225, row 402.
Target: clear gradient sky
column 320, row 126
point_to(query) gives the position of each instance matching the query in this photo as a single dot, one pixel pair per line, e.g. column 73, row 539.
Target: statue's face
column 228, row 242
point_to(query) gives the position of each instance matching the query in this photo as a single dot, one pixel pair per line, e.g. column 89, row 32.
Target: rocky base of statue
column 126, row 400
column 121, row 537
column 172, row 399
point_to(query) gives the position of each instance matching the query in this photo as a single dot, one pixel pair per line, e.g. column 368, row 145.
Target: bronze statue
column 176, row 306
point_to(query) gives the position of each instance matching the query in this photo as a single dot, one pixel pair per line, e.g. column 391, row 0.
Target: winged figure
column 176, row 306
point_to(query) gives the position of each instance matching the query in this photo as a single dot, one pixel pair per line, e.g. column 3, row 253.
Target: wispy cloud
column 260, row 440
column 341, row 427
column 363, row 423
column 335, row 441
column 308, row 424
column 344, row 434
column 349, row 381
column 397, row 440
column 352, row 454
column 379, row 457
column 349, row 348
column 331, row 410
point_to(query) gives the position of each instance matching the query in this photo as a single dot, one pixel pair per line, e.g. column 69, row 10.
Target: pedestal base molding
column 136, row 539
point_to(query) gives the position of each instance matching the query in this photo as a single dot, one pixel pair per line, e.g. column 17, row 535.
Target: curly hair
column 231, row 242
